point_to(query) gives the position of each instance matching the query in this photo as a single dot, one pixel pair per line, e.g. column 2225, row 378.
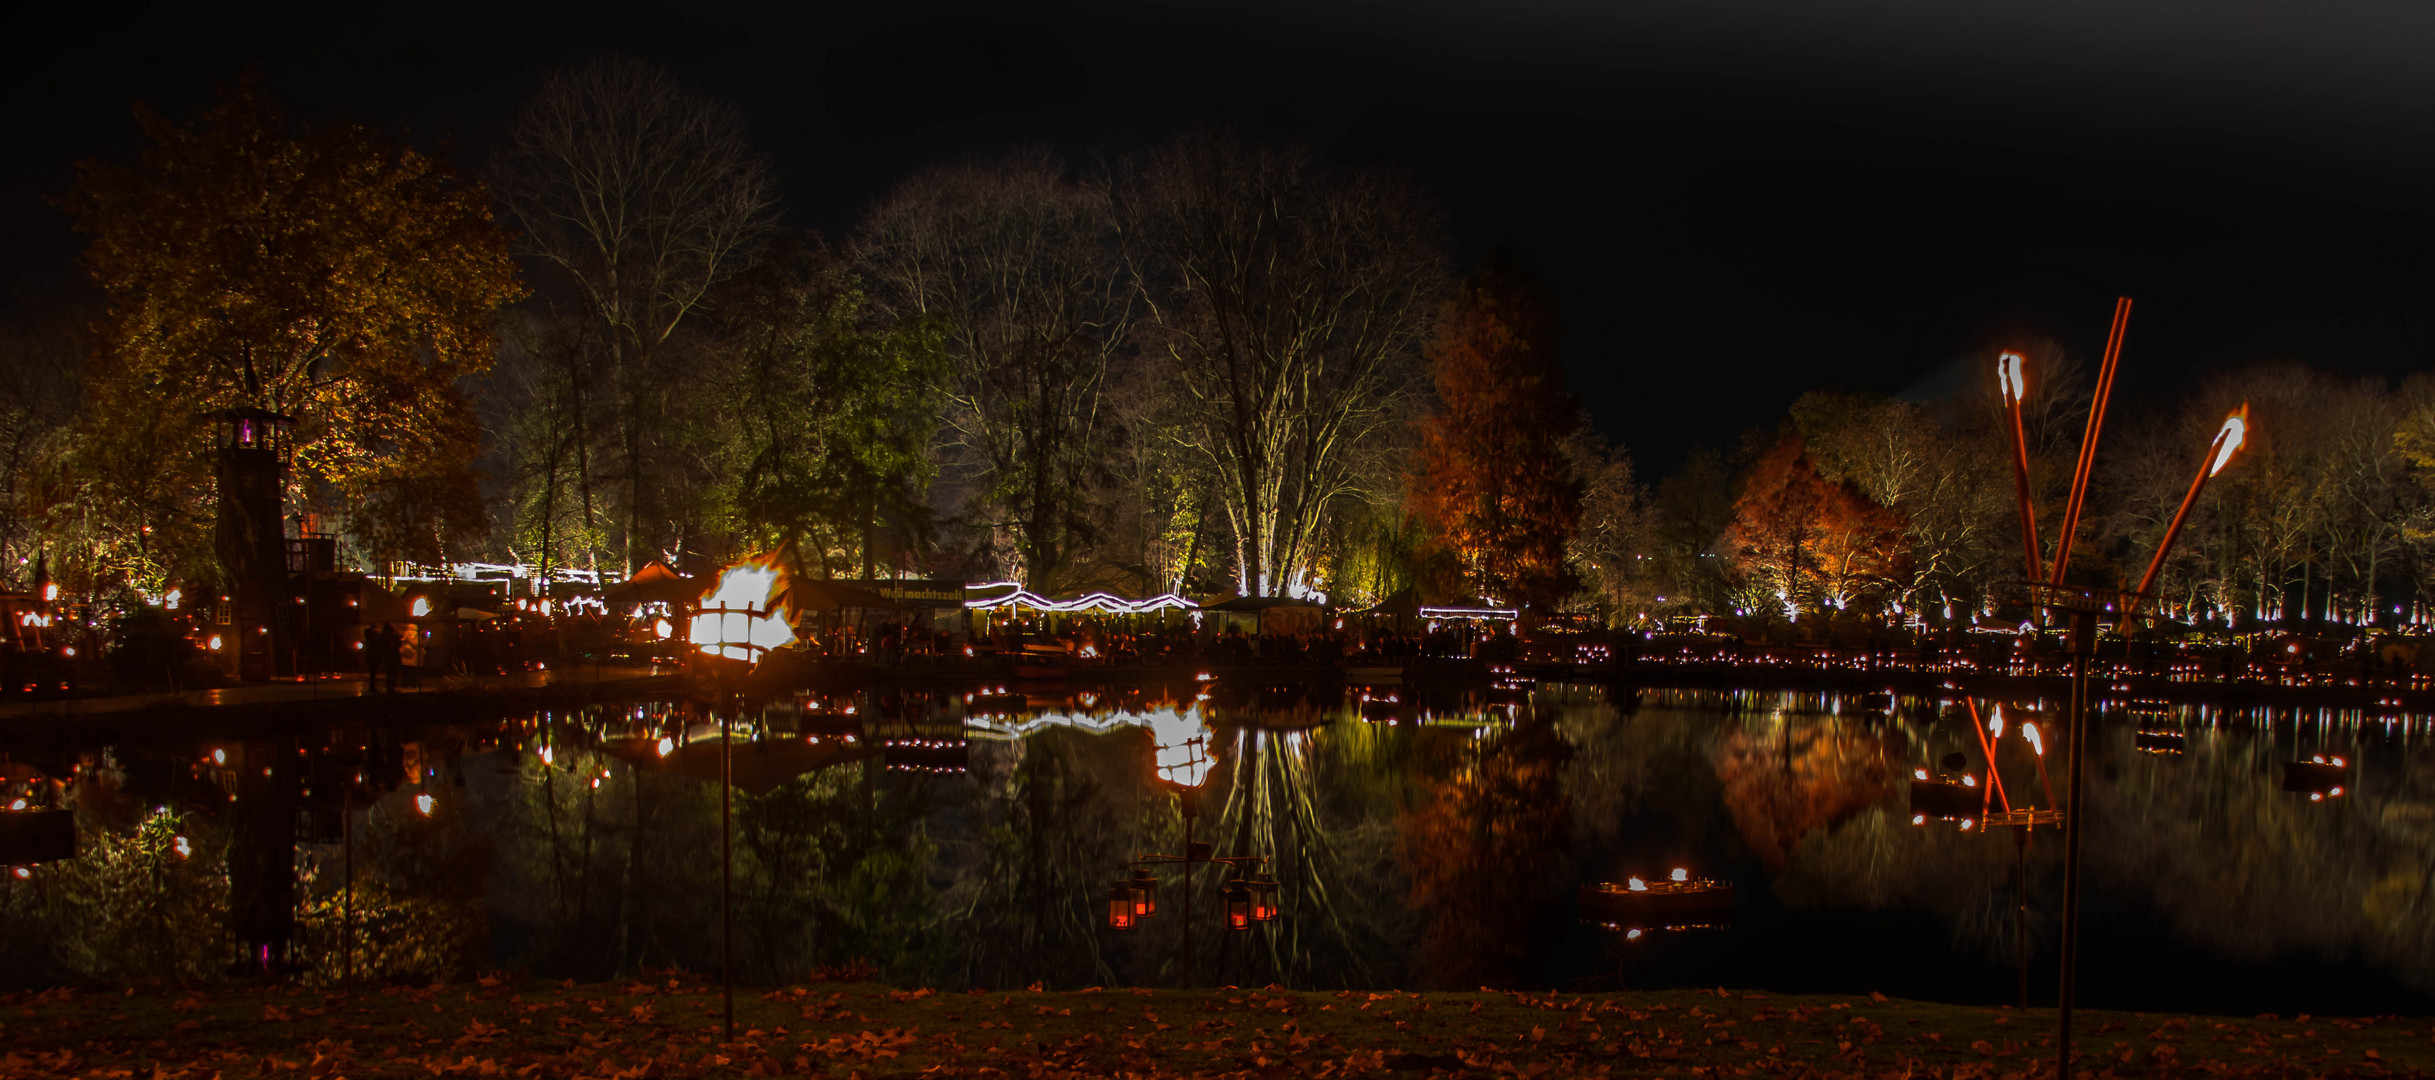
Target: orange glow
column 755, row 584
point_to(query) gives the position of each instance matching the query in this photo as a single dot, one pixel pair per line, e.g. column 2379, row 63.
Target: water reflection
column 1422, row 838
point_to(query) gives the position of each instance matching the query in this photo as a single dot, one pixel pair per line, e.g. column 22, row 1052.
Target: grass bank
column 669, row 1027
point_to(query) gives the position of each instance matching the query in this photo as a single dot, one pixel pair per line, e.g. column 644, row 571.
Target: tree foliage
column 1801, row 541
column 327, row 275
column 1492, row 481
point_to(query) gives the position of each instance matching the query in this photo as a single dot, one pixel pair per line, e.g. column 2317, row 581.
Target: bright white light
column 1681, row 874
column 423, row 803
column 181, row 846
column 2029, row 731
column 1182, row 740
column 666, row 744
column 2236, row 431
column 2008, row 376
column 219, row 757
column 1631, row 935
column 1919, row 819
column 214, row 643
column 172, row 600
column 1995, row 721
column 1635, row 885
column 753, row 585
column 421, row 607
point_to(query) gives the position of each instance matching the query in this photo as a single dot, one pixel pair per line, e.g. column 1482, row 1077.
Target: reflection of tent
column 654, row 583
column 1264, row 614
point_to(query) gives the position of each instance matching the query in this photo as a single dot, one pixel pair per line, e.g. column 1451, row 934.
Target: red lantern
column 1120, row 907
column 1238, row 905
column 1263, row 899
column 1144, row 887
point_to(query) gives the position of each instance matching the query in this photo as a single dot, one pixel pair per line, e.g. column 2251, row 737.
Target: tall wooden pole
column 2088, row 439
column 2235, row 427
column 2008, row 372
column 727, row 923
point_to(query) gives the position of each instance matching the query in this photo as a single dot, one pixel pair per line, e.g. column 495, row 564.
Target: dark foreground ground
column 669, row 1027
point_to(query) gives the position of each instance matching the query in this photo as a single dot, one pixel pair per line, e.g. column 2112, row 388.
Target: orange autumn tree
column 1803, row 541
column 327, row 274
column 1492, row 483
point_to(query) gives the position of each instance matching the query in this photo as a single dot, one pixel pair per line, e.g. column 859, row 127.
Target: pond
column 1419, row 840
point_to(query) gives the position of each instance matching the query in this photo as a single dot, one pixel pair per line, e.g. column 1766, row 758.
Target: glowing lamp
column 1263, row 898
column 1144, row 888
column 423, row 803
column 1238, row 905
column 1120, row 907
column 1681, row 874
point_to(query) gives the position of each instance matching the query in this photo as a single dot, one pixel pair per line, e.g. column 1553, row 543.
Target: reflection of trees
column 1784, row 780
column 1487, row 850
column 1027, row 886
column 127, row 907
column 1320, row 807
column 421, row 888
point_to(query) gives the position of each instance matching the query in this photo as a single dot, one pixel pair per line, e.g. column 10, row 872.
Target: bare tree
column 645, row 194
column 1016, row 265
column 1291, row 302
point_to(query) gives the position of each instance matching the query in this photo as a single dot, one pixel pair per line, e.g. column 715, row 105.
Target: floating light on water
column 1635, row 885
column 423, row 803
column 1681, row 874
column 666, row 744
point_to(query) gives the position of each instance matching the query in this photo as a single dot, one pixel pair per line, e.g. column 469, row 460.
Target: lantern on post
column 1238, row 905
column 1120, row 907
column 1263, row 898
column 1144, row 887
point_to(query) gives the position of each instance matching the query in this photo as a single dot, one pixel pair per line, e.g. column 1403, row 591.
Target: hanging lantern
column 1238, row 905
column 1144, row 887
column 1263, row 898
column 1120, row 907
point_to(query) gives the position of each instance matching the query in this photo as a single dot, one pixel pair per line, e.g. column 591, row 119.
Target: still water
column 1432, row 841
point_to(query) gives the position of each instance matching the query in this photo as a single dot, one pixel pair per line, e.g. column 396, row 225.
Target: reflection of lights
column 1967, row 823
column 1631, row 935
column 1181, row 738
column 1995, row 721
column 1919, row 819
column 18, row 805
column 1969, row 780
column 2336, row 792
column 662, row 629
column 215, row 643
column 172, row 600
column 219, row 757
column 179, row 844
column 666, row 744
column 423, row 803
column 1919, row 774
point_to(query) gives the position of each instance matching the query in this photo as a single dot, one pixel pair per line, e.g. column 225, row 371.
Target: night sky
column 1736, row 201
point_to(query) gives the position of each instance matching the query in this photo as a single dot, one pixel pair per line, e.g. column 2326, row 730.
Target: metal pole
column 2083, row 642
column 2020, row 915
column 2088, row 439
column 1191, row 812
column 727, row 926
column 346, row 925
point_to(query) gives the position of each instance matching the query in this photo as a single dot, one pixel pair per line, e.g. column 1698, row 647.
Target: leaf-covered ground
column 669, row 1027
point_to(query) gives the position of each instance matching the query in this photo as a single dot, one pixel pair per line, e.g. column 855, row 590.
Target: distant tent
column 821, row 594
column 1264, row 614
column 655, row 583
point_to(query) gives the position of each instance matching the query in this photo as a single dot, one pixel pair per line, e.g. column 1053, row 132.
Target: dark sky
column 1736, row 200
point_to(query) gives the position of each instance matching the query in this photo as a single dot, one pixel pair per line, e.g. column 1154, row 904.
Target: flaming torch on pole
column 2228, row 440
column 2008, row 376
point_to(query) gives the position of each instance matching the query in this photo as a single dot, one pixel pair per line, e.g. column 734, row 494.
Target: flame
column 423, row 803
column 1681, row 874
column 755, row 584
column 2029, row 731
column 422, row 607
column 2235, row 432
column 1635, row 885
column 2008, row 376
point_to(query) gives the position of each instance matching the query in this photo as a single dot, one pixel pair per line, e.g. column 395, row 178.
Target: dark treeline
column 1213, row 365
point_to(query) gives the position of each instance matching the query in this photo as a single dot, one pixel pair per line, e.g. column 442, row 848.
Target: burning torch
column 2228, row 440
column 2008, row 376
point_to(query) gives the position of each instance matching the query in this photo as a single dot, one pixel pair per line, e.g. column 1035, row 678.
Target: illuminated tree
column 643, row 195
column 1801, row 540
column 326, row 275
column 1493, row 482
column 1018, row 267
column 1290, row 302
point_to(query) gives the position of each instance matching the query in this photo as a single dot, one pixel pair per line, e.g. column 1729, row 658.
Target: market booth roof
column 820, row 594
column 654, row 583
